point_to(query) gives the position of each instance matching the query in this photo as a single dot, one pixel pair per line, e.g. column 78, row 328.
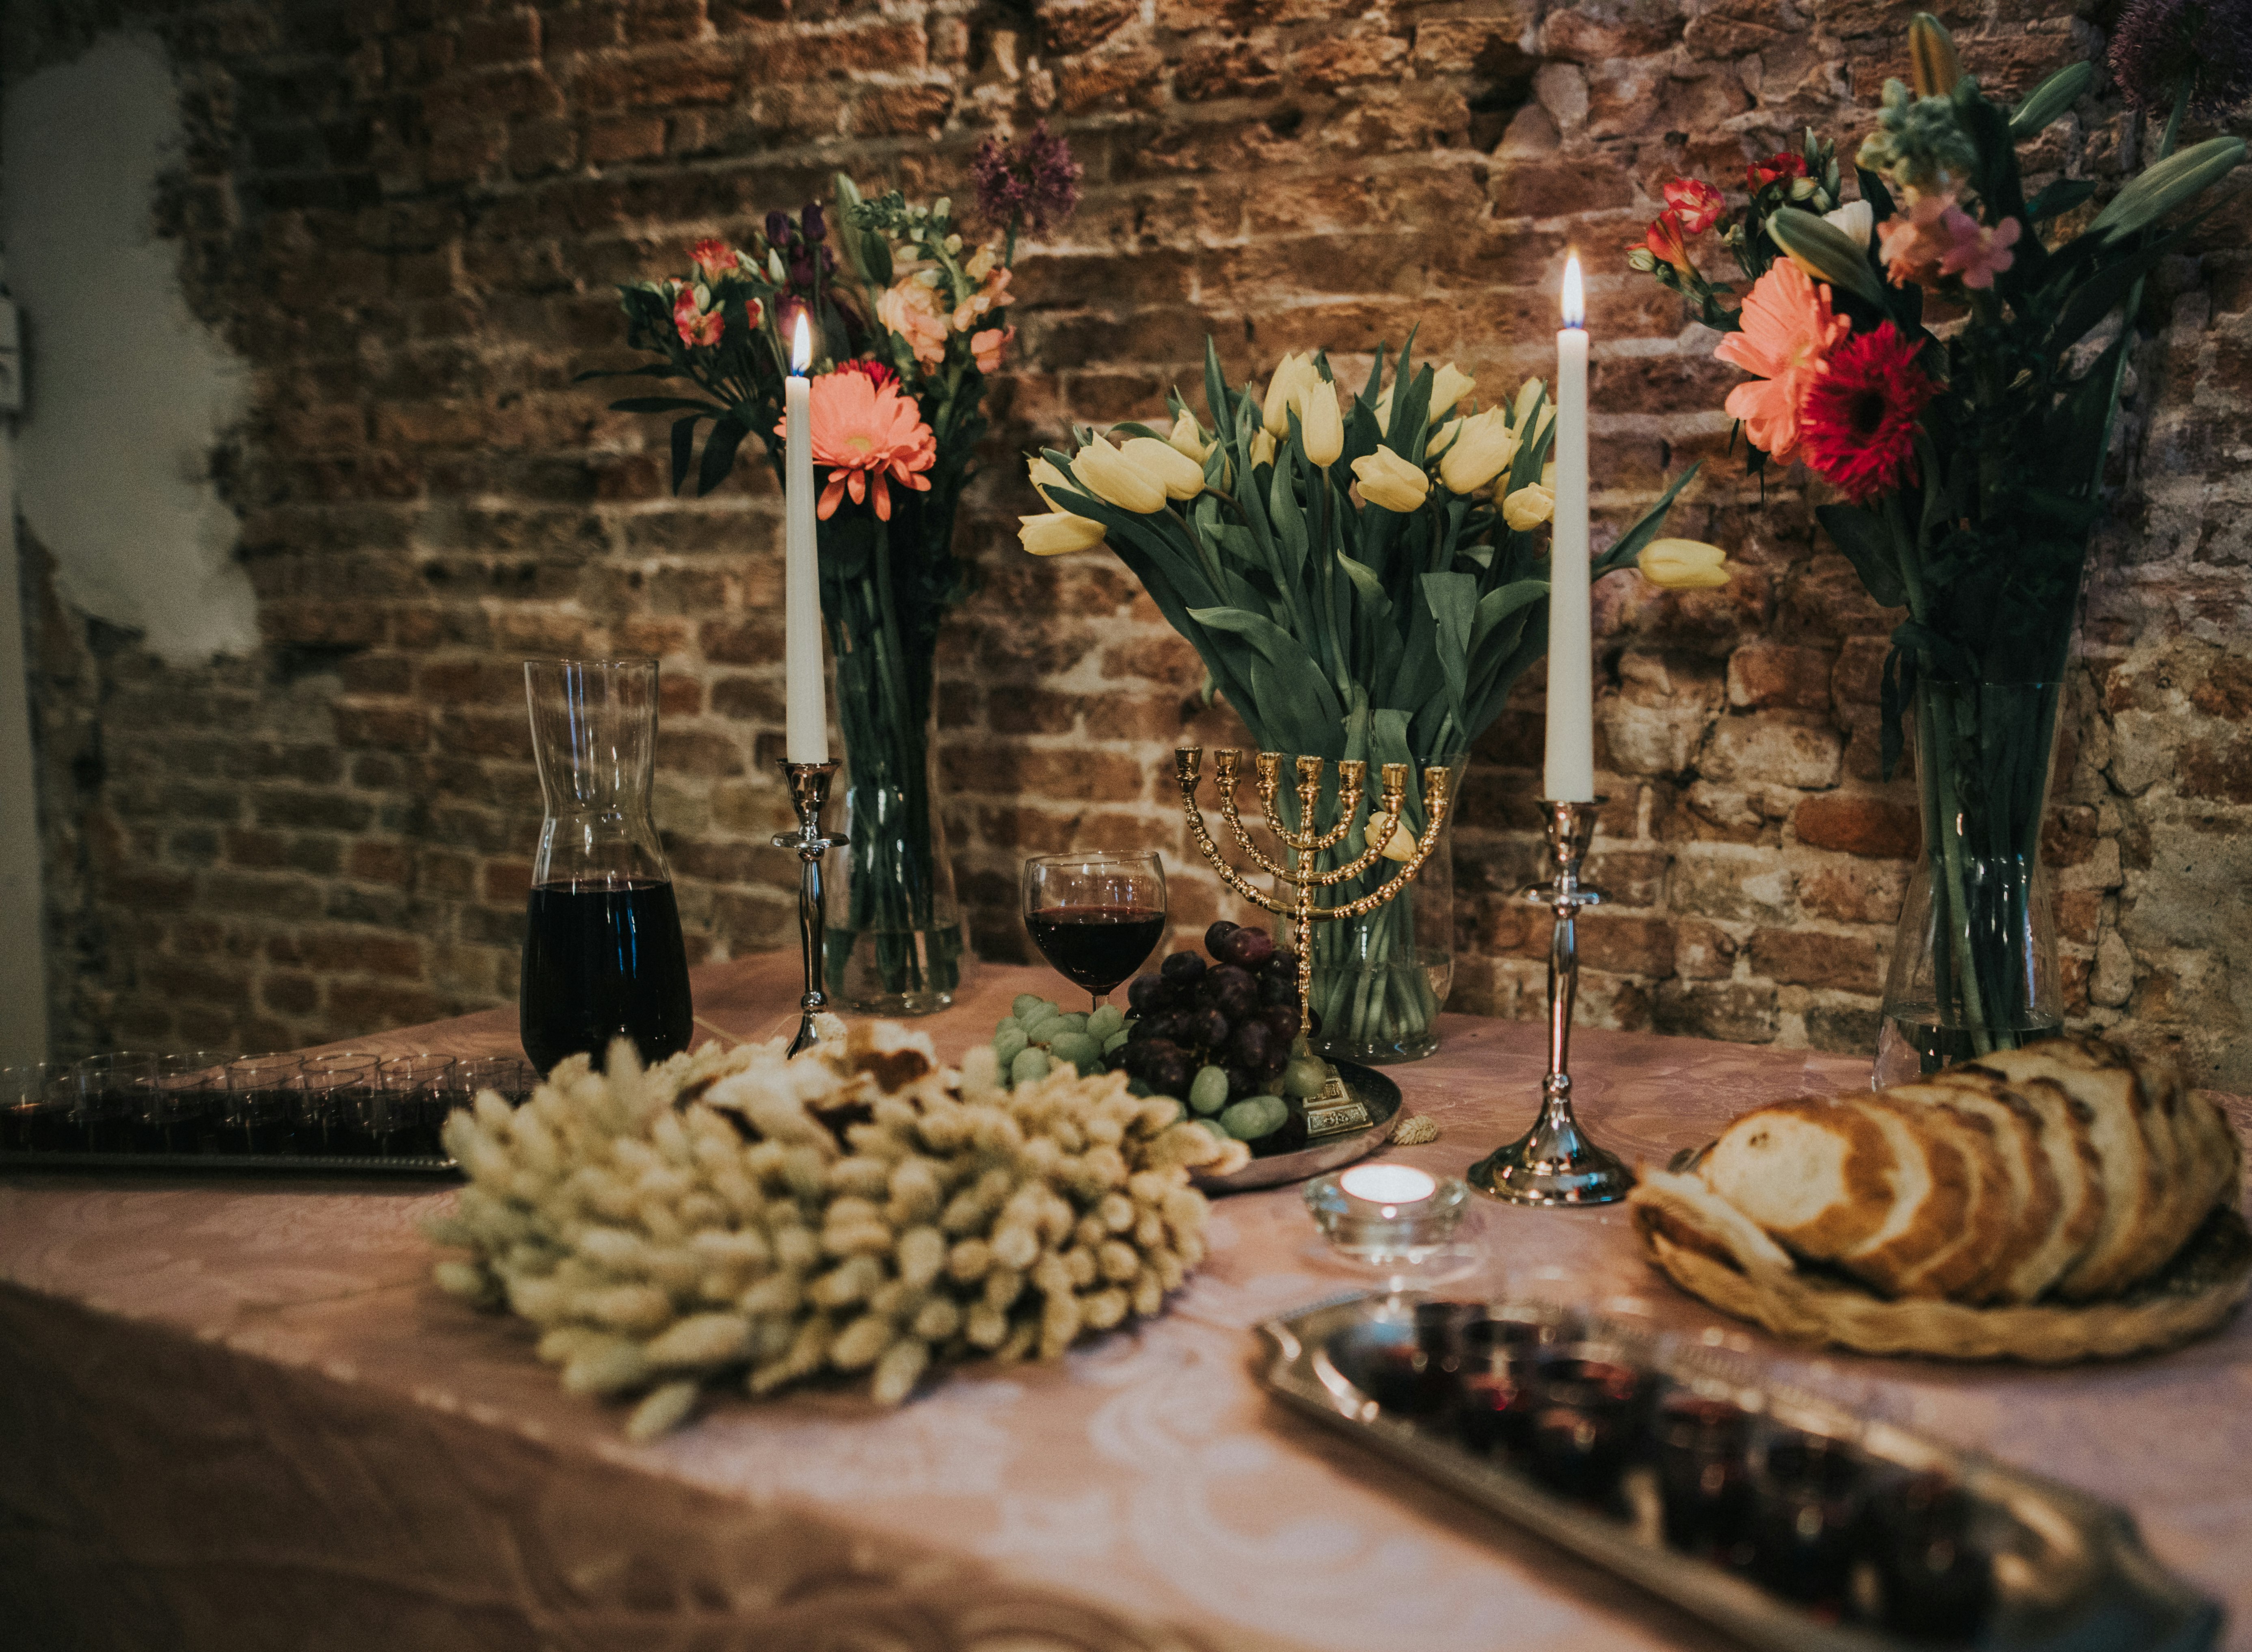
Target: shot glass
column 514, row 1077
column 332, row 1094
column 112, row 1094
column 34, row 1107
column 182, row 1108
column 404, row 1112
column 262, row 1102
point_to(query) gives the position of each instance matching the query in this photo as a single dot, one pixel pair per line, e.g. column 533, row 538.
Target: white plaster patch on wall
column 127, row 393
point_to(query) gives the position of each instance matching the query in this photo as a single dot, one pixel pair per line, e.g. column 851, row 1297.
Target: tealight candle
column 1392, row 1187
column 1386, row 1212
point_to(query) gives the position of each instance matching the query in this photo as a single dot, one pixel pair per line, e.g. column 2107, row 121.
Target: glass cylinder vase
column 895, row 940
column 1974, row 965
column 1380, row 978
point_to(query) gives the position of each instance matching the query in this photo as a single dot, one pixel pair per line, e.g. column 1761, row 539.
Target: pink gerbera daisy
column 869, row 437
column 1787, row 332
column 1859, row 420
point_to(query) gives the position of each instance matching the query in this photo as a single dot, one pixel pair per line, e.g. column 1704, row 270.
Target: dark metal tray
column 426, row 1167
column 2070, row 1573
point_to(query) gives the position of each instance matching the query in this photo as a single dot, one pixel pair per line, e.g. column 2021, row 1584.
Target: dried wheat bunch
column 861, row 1208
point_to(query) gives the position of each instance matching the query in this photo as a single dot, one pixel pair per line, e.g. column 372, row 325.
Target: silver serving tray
column 1367, row 1085
column 2070, row 1572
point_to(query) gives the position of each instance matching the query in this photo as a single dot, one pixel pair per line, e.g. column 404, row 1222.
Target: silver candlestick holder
column 809, row 793
column 1555, row 1162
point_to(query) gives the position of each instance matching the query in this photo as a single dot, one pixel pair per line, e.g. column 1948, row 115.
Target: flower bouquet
column 907, row 330
column 1935, row 351
column 1366, row 581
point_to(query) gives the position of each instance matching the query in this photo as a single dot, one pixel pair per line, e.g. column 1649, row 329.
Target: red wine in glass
column 1094, row 915
column 1095, row 947
column 604, row 960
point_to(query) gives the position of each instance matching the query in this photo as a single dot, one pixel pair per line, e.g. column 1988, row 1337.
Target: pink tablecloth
column 236, row 1415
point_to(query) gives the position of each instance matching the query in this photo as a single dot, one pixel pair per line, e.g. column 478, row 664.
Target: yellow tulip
column 1387, row 479
column 1442, row 439
column 1480, row 452
column 1386, row 829
column 1683, row 564
column 1287, row 389
column 1181, row 476
column 1058, row 531
column 1188, row 437
column 1321, row 429
column 1109, row 476
column 1528, row 507
column 1384, row 410
column 1262, row 448
column 1449, row 385
column 1045, row 475
column 1530, row 394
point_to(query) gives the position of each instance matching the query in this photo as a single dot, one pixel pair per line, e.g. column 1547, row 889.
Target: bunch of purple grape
column 1239, row 1013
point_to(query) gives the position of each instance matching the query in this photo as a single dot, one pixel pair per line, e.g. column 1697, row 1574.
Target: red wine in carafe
column 603, row 959
column 1095, row 947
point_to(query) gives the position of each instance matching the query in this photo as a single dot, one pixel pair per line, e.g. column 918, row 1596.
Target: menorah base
column 1553, row 1163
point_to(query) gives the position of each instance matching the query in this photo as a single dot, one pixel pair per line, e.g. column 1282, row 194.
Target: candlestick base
column 1555, row 1162
column 809, row 793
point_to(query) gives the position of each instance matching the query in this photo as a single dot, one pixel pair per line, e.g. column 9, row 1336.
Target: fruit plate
column 2051, row 1570
column 1365, row 1085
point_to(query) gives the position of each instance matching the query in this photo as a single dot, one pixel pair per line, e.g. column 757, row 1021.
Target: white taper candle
column 806, row 723
column 1570, row 773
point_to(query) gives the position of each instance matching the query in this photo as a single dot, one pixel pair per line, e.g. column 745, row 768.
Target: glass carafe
column 603, row 957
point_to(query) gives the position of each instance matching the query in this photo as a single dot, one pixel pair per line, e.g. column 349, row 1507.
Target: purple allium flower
column 1035, row 182
column 814, row 225
column 2160, row 45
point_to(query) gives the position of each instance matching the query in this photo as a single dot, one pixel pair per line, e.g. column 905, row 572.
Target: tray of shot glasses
column 345, row 1113
column 1781, row 1518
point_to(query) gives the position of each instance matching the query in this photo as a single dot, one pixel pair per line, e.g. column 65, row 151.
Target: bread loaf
column 2062, row 1169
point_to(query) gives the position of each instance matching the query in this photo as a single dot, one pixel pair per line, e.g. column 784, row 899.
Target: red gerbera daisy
column 1857, row 428
column 879, row 373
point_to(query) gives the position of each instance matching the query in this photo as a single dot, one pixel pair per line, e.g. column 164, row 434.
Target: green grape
column 1025, row 1002
column 1028, row 1065
column 1215, row 1126
column 1008, row 1043
column 1208, row 1090
column 1076, row 1048
column 1106, row 1021
column 1305, row 1077
column 1259, row 1116
column 1076, row 1021
column 1135, row 1087
column 1114, row 1043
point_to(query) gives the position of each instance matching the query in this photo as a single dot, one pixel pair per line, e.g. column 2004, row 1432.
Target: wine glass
column 1095, row 914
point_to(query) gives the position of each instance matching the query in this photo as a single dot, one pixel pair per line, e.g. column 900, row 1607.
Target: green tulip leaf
column 1867, row 543
column 2153, row 194
column 2051, row 99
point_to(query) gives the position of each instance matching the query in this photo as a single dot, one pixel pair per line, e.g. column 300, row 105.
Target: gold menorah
column 1308, row 842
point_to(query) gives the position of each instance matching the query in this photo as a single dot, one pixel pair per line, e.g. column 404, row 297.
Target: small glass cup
column 332, row 1094
column 112, row 1094
column 262, row 1102
column 34, row 1107
column 180, row 1112
column 402, row 1115
column 514, row 1077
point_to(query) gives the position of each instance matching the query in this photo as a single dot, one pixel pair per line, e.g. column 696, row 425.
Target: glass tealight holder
column 1388, row 1215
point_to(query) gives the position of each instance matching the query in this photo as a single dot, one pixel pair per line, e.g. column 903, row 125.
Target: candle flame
column 1575, row 297
column 801, row 347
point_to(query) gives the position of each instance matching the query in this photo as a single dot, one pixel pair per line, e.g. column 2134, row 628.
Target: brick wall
column 408, row 217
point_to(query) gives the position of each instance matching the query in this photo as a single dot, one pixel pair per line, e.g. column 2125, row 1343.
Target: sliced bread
column 2036, row 1204
column 1814, row 1173
column 2136, row 1147
column 1931, row 1192
column 2080, row 1181
column 1988, row 1217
